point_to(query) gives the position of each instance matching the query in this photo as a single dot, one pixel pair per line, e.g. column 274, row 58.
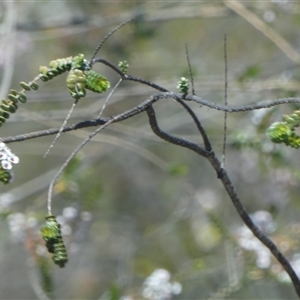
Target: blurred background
column 143, row 219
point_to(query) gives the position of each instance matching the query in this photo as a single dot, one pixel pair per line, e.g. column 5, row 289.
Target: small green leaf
column 25, row 86
column 96, row 82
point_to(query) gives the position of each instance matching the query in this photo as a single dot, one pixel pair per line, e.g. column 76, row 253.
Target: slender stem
column 190, row 69
column 108, row 97
column 225, row 102
column 72, row 155
column 64, row 165
column 61, row 129
column 105, row 39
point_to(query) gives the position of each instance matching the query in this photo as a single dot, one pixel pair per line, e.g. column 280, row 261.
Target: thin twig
column 64, row 165
column 225, row 102
column 105, row 39
column 61, row 129
column 108, row 97
column 190, row 69
column 130, row 113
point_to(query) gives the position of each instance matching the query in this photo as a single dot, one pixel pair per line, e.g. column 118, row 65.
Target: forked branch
column 223, row 176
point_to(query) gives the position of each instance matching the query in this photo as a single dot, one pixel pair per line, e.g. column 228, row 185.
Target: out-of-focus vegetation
column 142, row 218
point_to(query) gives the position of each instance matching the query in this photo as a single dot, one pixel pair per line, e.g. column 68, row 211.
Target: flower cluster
column 7, row 159
column 158, row 286
column 246, row 239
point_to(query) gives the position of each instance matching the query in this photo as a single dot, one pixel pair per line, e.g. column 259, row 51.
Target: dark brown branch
column 128, row 77
column 198, row 124
column 141, row 107
column 121, row 117
column 223, row 176
column 172, row 139
column 194, row 98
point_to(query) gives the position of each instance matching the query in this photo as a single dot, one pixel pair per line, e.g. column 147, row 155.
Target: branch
column 143, row 106
column 101, row 121
column 195, row 119
column 194, row 98
column 173, row 139
column 129, row 77
column 223, row 176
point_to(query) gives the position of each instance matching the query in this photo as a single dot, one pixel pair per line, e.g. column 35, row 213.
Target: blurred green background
column 130, row 203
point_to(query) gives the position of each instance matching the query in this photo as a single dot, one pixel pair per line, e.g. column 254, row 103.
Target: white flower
column 3, row 155
column 6, row 165
column 14, row 159
column 7, row 157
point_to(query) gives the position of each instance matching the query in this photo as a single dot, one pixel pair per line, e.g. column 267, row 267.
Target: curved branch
column 129, row 77
column 173, row 139
column 197, row 122
column 223, row 176
column 194, row 98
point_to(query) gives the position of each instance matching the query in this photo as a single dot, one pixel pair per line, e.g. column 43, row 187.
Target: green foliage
column 5, row 176
column 76, row 83
column 51, row 233
column 96, row 82
column 123, row 65
column 10, row 105
column 80, row 76
column 284, row 132
column 183, row 85
column 79, row 62
column 56, row 67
